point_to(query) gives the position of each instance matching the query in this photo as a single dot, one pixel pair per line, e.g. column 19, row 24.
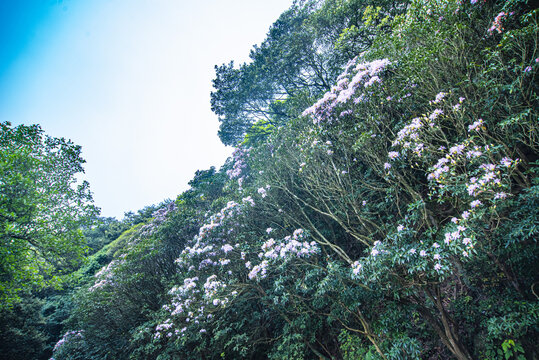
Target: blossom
column 437, row 267
column 435, row 114
column 387, row 166
column 500, row 195
column 412, row 251
column 528, row 69
column 506, row 161
column 436, row 257
column 259, row 271
column 393, row 155
column 475, row 203
column 262, row 192
column 356, row 267
column 457, row 149
column 298, row 233
column 373, row 80
column 400, row 228
column 439, row 97
column 476, row 125
column 497, row 23
column 226, row 248
column 422, row 253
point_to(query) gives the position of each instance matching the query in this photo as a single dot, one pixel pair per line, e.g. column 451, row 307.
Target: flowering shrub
column 395, row 218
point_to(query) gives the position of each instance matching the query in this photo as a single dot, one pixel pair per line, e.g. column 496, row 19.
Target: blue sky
column 130, row 81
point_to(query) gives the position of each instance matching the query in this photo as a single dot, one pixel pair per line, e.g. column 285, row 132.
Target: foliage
column 22, row 330
column 381, row 202
column 42, row 209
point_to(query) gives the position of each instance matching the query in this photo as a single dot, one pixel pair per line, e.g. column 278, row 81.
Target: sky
column 129, row 81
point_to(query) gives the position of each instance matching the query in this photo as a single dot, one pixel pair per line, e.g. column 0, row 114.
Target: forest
column 382, row 202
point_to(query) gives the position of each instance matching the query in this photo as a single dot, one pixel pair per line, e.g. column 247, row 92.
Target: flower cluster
column 159, row 217
column 291, row 247
column 350, row 87
column 497, row 23
column 67, row 337
column 483, row 178
column 239, row 159
column 105, row 276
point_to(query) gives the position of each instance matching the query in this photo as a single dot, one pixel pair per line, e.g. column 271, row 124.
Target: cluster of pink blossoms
column 159, row 217
column 239, row 159
column 291, row 247
column 351, row 86
column 497, row 23
column 68, row 336
column 105, row 276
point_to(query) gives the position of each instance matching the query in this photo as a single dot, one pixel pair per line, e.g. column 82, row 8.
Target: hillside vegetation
column 382, row 203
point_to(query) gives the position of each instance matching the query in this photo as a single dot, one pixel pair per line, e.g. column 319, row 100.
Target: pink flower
column 475, row 203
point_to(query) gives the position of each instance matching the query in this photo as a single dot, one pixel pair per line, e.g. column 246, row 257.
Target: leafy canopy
column 42, row 209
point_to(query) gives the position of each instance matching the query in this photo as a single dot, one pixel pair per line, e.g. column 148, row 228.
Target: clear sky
column 130, row 81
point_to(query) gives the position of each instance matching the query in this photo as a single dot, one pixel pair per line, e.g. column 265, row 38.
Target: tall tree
column 42, row 208
column 304, row 51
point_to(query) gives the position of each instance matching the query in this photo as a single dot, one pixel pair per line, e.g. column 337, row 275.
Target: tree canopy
column 42, row 208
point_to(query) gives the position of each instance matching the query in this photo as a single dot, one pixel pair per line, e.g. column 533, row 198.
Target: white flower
column 262, row 192
column 475, row 203
column 226, row 248
column 356, row 267
column 393, row 155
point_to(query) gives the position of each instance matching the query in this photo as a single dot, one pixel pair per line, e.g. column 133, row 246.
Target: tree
column 300, row 58
column 42, row 209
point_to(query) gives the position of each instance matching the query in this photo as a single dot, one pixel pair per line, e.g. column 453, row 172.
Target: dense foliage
column 42, row 209
column 382, row 203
